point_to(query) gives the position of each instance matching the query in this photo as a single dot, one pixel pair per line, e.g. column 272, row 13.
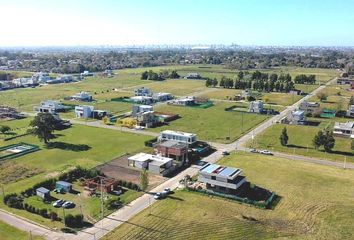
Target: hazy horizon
column 52, row 23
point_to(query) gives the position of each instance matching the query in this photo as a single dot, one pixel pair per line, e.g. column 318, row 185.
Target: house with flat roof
column 296, row 117
column 193, row 76
column 185, row 101
column 137, row 109
column 143, row 91
column 82, row 96
column 153, row 163
column 350, row 111
column 173, row 149
column 309, row 107
column 345, row 130
column 49, row 106
column 162, row 97
column 183, row 137
column 142, row 100
column 343, row 81
column 256, row 107
column 63, row 186
column 84, row 111
column 43, row 193
column 220, row 178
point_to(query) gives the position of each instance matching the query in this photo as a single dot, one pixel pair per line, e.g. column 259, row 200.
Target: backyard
column 307, row 209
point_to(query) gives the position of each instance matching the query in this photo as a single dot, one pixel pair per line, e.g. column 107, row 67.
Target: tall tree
column 284, row 138
column 318, row 140
column 329, row 141
column 144, row 180
column 5, row 129
column 43, row 126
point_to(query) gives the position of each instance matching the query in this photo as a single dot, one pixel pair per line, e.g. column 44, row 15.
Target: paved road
column 124, row 214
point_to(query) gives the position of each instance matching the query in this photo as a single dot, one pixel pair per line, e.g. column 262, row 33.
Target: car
column 265, row 152
column 225, row 153
column 166, row 191
column 68, row 205
column 158, row 196
column 117, row 192
column 253, row 150
column 58, row 203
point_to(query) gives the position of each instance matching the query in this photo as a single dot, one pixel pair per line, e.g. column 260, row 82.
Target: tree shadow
column 349, row 154
column 68, row 146
column 295, row 146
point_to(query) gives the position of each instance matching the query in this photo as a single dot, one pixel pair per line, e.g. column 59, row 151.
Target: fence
column 265, row 204
column 30, row 148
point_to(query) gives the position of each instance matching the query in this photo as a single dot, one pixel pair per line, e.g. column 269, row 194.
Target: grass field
column 211, row 124
column 300, row 142
column 8, row 232
column 309, row 207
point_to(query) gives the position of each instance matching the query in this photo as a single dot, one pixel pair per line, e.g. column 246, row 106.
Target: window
column 213, row 178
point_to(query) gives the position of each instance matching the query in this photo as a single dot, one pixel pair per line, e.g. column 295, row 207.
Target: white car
column 58, row 203
column 265, row 152
column 166, row 191
column 68, row 204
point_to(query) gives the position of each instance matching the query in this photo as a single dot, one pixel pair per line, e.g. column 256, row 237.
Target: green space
column 284, row 99
column 300, row 141
column 309, row 207
column 8, row 232
column 211, row 124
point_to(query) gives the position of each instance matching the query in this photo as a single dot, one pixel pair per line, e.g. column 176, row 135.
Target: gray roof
column 42, row 190
column 63, row 183
column 171, row 143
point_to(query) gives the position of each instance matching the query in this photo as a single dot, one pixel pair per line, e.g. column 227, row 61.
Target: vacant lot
column 309, row 207
column 8, row 232
column 300, row 142
column 211, row 124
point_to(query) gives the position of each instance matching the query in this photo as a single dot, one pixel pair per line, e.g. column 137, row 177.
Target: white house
column 350, row 111
column 161, row 97
column 221, row 178
column 143, row 91
column 256, row 107
column 136, row 109
column 49, row 106
column 182, row 137
column 344, row 129
column 186, row 101
column 142, row 99
column 23, row 82
column 193, row 76
column 309, row 107
column 154, row 163
column 82, row 96
column 84, row 111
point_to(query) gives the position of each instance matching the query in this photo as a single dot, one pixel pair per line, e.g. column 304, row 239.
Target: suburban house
column 40, row 77
column 309, row 107
column 146, row 119
column 344, row 129
column 142, row 99
column 256, row 107
column 328, row 113
column 84, row 111
column 86, row 74
column 182, row 137
column 49, row 106
column 185, row 101
column 174, row 149
column 343, row 81
column 221, row 178
column 350, row 111
column 143, row 91
column 193, row 76
column 161, row 97
column 63, row 186
column 82, row 96
column 24, row 82
column 295, row 92
column 43, row 193
column 153, row 163
column 137, row 109
column 296, row 117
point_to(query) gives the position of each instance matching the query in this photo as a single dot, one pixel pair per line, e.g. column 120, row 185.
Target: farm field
column 308, row 208
column 8, row 232
column 300, row 142
column 207, row 122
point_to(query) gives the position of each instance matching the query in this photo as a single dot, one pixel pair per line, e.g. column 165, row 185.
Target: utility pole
column 64, row 216
column 101, row 203
column 242, row 122
column 345, row 162
column 30, row 234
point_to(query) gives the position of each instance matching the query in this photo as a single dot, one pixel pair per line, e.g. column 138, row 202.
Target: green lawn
column 300, row 142
column 211, row 124
column 8, row 232
column 316, row 203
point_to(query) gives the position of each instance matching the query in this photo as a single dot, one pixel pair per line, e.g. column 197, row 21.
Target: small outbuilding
column 63, row 186
column 43, row 193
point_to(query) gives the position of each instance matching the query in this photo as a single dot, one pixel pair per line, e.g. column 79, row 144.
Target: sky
column 155, row 22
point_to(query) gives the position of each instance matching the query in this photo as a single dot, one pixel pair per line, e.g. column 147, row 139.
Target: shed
column 63, row 186
column 43, row 193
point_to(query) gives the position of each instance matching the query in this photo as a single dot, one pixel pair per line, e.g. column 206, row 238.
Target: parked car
column 117, row 192
column 58, row 203
column 265, row 152
column 68, row 205
column 225, row 153
column 166, row 191
column 253, row 150
column 158, row 196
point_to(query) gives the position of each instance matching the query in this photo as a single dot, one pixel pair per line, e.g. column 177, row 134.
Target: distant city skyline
column 176, row 22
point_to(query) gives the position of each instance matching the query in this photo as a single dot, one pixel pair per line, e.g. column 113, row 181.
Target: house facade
column 173, row 149
column 345, row 130
column 193, row 76
column 153, row 163
column 309, row 107
column 182, row 137
column 162, row 97
column 82, row 96
column 350, row 111
column 220, row 178
column 143, row 91
column 49, row 106
column 84, row 111
column 256, row 107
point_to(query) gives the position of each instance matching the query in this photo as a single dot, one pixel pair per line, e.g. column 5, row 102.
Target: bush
column 74, row 221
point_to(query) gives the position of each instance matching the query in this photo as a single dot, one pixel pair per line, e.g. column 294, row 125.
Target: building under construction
column 96, row 184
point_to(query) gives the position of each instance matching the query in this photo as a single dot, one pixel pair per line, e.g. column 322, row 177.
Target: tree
column 5, row 129
column 322, row 96
column 351, row 101
column 43, row 126
column 174, row 74
column 329, row 141
column 144, row 75
column 284, row 138
column 318, row 140
column 144, row 179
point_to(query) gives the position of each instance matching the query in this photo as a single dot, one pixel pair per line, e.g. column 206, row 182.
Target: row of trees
column 305, row 79
column 151, row 75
